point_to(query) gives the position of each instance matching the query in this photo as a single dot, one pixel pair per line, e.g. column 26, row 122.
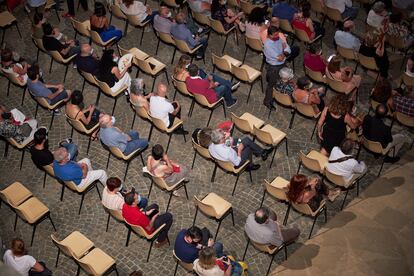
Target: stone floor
column 92, row 221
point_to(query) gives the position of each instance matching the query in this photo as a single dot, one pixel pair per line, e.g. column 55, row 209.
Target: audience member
column 262, row 227
column 41, row 155
column 19, row 129
column 304, row 93
column 138, row 9
column 343, row 163
column 81, row 172
column 51, row 43
column 87, row 61
column 275, row 22
column 163, row 21
column 397, row 29
column 100, row 24
column 24, row 264
column 227, row 17
column 283, row 10
column 112, row 195
column 9, row 65
column 111, row 74
column 404, row 103
column 286, row 83
column 350, row 81
column 200, row 6
column 112, row 136
column 137, row 95
column 256, row 26
column 150, row 219
column 202, row 136
column 345, row 39
column 382, row 92
column 208, row 264
column 71, row 8
column 373, row 46
column 302, row 21
column 38, row 21
column 314, row 60
column 345, row 8
column 378, row 15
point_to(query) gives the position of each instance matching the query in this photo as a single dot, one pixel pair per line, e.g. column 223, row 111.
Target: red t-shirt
column 314, row 62
column 134, row 216
column 202, row 87
column 301, row 25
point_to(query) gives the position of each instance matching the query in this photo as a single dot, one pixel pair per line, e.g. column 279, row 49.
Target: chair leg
column 126, row 170
column 98, row 97
column 51, row 221
column 245, row 250
column 57, row 257
column 51, row 121
column 99, row 193
column 142, row 35
column 235, row 184
column 169, row 201
column 287, row 214
column 194, row 220
column 150, row 133
column 263, row 198
column 248, row 95
column 153, row 83
column 176, row 267
column 8, row 88
column 273, row 157
column 107, row 222
column 343, row 202
column 18, row 30
column 78, row 271
column 225, row 43
column 382, row 165
column 313, row 224
column 173, row 56
column 66, row 72
column 44, row 180
column 24, row 94
column 21, row 160
column 51, row 63
column 245, row 52
column 168, row 144
column 128, row 236
column 195, row 154
column 325, row 211
column 299, row 166
column 232, row 216
column 314, row 128
column 291, row 119
column 185, row 189
column 218, row 227
column 37, row 55
column 15, row 223
column 287, row 148
column 149, row 193
column 224, row 111
column 209, row 118
column 357, row 186
column 81, row 203
column 214, row 173
column 62, row 192
column 83, row 85
column 158, row 45
column 113, row 109
column 270, row 265
column 149, row 251
column 33, row 233
column 166, row 76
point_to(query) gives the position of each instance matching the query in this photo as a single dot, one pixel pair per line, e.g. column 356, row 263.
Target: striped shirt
column 112, row 201
column 404, row 105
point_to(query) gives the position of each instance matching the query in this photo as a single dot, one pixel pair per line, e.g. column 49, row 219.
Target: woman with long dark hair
column 100, row 24
column 110, row 73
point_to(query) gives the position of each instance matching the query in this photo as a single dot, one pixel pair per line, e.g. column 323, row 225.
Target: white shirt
column 338, row 4
column 136, row 8
column 347, row 40
column 160, row 108
column 21, row 264
column 375, row 20
column 112, row 201
column 224, row 153
column 347, row 168
column 214, row 271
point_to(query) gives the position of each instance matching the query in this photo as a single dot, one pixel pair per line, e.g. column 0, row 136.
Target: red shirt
column 202, row 87
column 301, row 25
column 314, row 62
column 134, row 216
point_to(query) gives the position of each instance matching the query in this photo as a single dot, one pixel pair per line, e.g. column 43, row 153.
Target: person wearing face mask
column 110, row 73
column 113, row 195
column 87, row 61
column 81, row 172
column 163, row 21
column 314, row 60
column 112, row 136
column 133, row 7
column 304, row 93
column 20, row 129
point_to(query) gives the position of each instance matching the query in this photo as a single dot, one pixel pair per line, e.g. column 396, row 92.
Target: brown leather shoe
column 159, row 244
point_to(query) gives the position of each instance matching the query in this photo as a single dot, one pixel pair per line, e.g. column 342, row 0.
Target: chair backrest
column 263, row 136
column 276, row 192
column 38, row 42
column 145, row 66
column 334, row 14
column 306, row 109
column 255, row 44
column 71, row 185
column 315, row 75
column 117, row 152
column 221, row 63
column 116, row 11
column 396, row 42
column 49, row 170
column 201, row 100
column 241, row 123
column 181, row 87
column 200, row 18
column 167, row 38
column 216, row 26
column 261, row 247
column 283, row 99
column 11, row 76
column 43, row 102
column 159, row 181
column 65, row 249
column 81, row 27
column 76, row 124
column 158, row 123
column 15, row 194
column 407, row 80
column 368, row 62
column 117, row 214
column 142, row 112
column 302, row 208
column 187, row 266
column 240, row 73
column 134, row 20
column 372, row 146
column 123, row 51
column 285, row 25
column 310, row 163
column 316, row 6
column 57, row 56
column 347, row 53
column 301, row 35
column 97, row 38
column 89, row 77
column 337, row 85
column 104, row 87
column 182, row 46
column 246, row 6
column 226, row 165
column 205, row 208
column 141, row 231
column 334, row 178
column 201, row 150
column 404, row 119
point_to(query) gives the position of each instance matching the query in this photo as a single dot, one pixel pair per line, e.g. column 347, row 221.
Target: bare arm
column 321, row 121
column 37, row 267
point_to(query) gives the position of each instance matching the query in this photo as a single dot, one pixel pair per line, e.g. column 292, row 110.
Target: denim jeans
column 135, row 143
column 72, row 150
column 203, row 41
column 225, row 92
column 351, row 12
column 218, row 247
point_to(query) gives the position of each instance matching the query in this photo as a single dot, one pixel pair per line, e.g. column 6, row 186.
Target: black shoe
column 392, row 160
column 252, row 167
column 181, row 131
column 270, row 106
column 266, row 153
column 233, row 104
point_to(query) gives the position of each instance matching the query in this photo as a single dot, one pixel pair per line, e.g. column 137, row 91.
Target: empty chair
column 203, row 102
column 184, row 48
column 143, row 113
column 314, row 161
column 39, row 45
column 81, row 191
column 116, row 11
column 255, row 45
column 219, row 29
column 376, row 148
column 229, row 167
column 7, row 20
column 56, row 56
column 20, row 146
column 104, row 87
column 308, row 111
column 272, row 137
column 277, row 188
column 247, row 74
column 45, row 104
column 160, row 125
column 15, row 194
column 153, row 67
column 137, row 54
column 167, row 39
column 96, row 262
column 16, row 81
column 306, row 210
column 81, row 28
column 214, row 207
column 80, row 127
column 246, row 122
column 224, row 63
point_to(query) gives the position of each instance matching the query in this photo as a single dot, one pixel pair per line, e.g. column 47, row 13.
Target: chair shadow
column 341, row 219
column 383, row 186
column 303, row 258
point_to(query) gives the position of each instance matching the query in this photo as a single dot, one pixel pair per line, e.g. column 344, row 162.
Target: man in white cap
column 346, row 39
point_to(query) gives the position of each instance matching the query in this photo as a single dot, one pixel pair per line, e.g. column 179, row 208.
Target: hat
column 348, row 24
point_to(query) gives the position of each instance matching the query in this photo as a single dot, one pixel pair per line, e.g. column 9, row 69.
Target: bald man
column 164, row 20
column 87, row 61
column 112, row 136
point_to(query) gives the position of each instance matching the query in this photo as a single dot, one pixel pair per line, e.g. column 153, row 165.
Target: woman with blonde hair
column 208, row 265
column 334, row 71
column 180, row 70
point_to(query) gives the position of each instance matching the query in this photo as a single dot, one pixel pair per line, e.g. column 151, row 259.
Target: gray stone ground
column 92, row 221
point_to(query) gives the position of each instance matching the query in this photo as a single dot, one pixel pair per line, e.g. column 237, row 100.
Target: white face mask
column 115, row 59
column 224, row 2
column 113, row 120
column 169, row 15
column 91, row 52
column 309, row 85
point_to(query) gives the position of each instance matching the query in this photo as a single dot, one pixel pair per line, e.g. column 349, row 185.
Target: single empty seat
column 308, row 111
column 314, row 161
column 200, row 150
column 97, row 262
column 202, row 101
column 154, row 68
column 230, row 168
column 80, row 127
column 56, row 56
column 15, row 194
column 160, row 125
column 272, row 137
column 246, row 122
column 219, row 29
column 116, row 214
column 81, row 191
column 247, row 74
column 277, row 188
column 81, row 28
column 376, row 148
column 7, row 20
column 224, row 63
column 305, row 209
column 104, row 87
column 127, row 158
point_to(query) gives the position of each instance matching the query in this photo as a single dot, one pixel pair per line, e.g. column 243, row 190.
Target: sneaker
column 67, row 140
column 57, row 112
column 391, row 160
column 233, row 104
column 75, row 66
column 252, row 167
column 333, row 194
column 235, row 85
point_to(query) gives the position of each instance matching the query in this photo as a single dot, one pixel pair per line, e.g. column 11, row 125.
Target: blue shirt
column 71, row 171
column 273, row 49
column 187, row 252
column 181, row 32
column 284, row 11
column 39, row 89
column 111, row 137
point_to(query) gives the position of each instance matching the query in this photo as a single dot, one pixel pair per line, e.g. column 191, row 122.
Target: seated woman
column 302, row 21
column 226, row 16
column 373, row 46
column 137, row 8
column 304, row 94
column 314, row 60
column 302, row 190
column 100, row 24
column 137, row 96
column 382, row 92
column 110, row 73
column 9, row 65
column 334, row 71
column 207, row 264
column 14, row 124
column 255, row 24
column 88, row 116
column 333, row 121
column 286, row 83
column 160, row 165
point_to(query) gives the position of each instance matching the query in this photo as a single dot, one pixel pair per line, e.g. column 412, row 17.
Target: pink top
column 314, row 62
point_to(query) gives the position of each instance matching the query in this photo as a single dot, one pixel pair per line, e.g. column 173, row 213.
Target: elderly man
column 87, row 61
column 236, row 151
column 112, row 136
column 344, row 7
column 163, row 21
column 262, row 227
column 181, row 32
column 81, row 172
column 13, row 124
column 346, row 39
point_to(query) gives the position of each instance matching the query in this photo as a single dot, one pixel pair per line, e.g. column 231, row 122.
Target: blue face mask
column 113, row 120
column 139, row 198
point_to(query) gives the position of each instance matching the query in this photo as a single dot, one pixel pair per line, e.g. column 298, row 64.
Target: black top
column 41, row 157
column 87, row 64
column 106, row 75
column 334, row 131
column 375, row 130
column 52, row 44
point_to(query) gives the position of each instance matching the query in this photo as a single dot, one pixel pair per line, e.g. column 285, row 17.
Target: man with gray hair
column 81, row 172
column 236, row 151
column 286, row 84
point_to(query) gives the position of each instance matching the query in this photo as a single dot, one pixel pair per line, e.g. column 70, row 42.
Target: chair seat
column 99, row 260
column 195, row 49
column 158, row 65
column 177, row 123
column 33, row 209
column 123, row 156
column 137, row 53
column 219, row 204
column 6, row 18
column 46, row 104
column 75, row 187
column 16, row 193
column 78, row 243
column 322, row 159
column 232, row 60
column 277, row 135
column 119, row 91
column 251, row 72
column 280, row 182
column 252, row 120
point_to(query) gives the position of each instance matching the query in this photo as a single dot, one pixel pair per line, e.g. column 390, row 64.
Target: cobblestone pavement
column 92, row 221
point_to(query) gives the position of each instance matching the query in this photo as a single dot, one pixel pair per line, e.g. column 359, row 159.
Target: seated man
column 404, row 103
column 53, row 93
column 81, row 172
column 163, row 22
column 345, row 38
column 345, row 8
column 341, row 162
column 262, row 227
column 225, row 148
column 42, row 156
column 283, row 10
column 113, row 195
column 208, row 87
column 374, row 129
column 181, row 32
column 113, row 137
column 200, row 6
column 13, row 124
column 190, row 241
column 150, row 219
column 87, row 61
column 50, row 43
